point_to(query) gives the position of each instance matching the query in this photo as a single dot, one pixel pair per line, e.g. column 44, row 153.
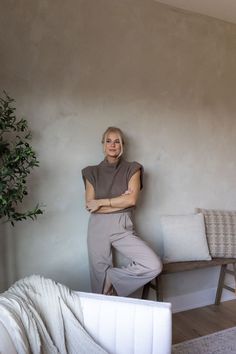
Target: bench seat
column 176, row 267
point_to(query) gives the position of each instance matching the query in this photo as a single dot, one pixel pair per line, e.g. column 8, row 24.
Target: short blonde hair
column 120, row 134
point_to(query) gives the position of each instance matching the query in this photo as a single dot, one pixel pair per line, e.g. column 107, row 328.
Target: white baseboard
column 197, row 299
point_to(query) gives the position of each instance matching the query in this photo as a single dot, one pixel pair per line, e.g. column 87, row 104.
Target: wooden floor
column 202, row 321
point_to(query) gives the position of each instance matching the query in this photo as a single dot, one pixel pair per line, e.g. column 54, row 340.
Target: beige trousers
column 116, row 230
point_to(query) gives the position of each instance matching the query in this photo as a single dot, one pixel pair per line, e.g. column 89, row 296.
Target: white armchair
column 119, row 325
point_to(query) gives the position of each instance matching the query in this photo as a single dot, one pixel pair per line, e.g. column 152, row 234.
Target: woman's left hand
column 92, row 205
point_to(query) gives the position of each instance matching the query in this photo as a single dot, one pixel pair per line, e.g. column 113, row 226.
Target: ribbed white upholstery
column 128, row 326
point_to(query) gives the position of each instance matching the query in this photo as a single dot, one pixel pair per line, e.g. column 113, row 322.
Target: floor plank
column 202, row 321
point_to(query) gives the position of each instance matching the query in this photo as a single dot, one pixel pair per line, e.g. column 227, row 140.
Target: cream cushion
column 220, row 232
column 184, row 238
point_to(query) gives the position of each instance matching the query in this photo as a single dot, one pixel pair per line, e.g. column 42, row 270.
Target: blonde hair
column 120, row 134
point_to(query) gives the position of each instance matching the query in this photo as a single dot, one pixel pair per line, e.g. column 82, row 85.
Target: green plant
column 17, row 159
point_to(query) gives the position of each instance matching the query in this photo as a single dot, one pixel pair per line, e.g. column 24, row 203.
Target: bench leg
column 234, row 267
column 146, row 291
column 159, row 288
column 220, row 284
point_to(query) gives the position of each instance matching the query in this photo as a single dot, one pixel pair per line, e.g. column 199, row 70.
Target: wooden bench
column 176, row 267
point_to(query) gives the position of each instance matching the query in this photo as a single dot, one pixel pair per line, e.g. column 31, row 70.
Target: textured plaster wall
column 166, row 77
column 2, row 258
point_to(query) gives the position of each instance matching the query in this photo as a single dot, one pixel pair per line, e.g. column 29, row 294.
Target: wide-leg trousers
column 117, row 230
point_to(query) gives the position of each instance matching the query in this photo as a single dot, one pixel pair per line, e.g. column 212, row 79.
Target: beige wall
column 167, row 78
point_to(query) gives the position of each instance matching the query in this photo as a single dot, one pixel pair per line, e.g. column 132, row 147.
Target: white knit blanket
column 44, row 317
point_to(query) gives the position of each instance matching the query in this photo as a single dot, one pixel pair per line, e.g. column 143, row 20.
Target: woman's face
column 112, row 145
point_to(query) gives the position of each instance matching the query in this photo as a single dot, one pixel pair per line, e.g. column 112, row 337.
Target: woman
column 112, row 190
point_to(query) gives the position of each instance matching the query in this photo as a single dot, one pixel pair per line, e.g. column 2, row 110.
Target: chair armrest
column 125, row 325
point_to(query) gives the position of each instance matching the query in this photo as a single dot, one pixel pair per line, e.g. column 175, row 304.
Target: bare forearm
column 111, row 204
column 121, row 202
column 106, row 210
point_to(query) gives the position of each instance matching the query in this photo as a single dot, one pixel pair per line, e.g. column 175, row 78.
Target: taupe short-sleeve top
column 110, row 180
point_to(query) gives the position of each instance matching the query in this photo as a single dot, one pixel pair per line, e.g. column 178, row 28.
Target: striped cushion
column 220, row 232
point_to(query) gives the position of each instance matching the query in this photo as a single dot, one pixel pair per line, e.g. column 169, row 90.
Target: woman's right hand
column 93, row 205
